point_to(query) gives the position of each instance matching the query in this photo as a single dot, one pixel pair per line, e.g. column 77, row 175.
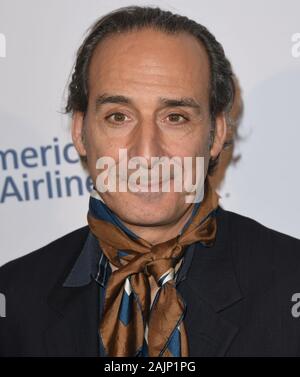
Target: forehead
column 152, row 61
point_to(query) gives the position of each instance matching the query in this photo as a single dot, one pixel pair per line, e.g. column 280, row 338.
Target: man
column 153, row 274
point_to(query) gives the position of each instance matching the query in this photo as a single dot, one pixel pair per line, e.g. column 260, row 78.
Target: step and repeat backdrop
column 44, row 189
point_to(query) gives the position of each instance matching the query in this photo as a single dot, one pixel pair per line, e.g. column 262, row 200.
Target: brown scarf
column 131, row 280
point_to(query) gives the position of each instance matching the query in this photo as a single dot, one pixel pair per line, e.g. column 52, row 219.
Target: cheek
column 203, row 142
column 99, row 146
column 95, row 142
column 198, row 145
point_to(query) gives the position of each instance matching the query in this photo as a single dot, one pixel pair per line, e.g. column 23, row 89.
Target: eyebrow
column 165, row 102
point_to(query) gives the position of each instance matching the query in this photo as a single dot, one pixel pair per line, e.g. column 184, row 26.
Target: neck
column 160, row 233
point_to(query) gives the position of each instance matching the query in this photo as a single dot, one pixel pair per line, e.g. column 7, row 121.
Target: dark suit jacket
column 238, row 294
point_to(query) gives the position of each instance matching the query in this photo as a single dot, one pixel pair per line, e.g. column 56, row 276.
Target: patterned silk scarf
column 130, row 324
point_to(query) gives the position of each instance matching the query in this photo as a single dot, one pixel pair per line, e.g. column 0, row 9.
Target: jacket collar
column 91, row 264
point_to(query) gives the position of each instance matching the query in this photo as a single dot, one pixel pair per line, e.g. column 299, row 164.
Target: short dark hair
column 222, row 87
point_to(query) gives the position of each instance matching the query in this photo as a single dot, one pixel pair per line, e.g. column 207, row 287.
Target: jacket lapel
column 209, row 290
column 209, row 333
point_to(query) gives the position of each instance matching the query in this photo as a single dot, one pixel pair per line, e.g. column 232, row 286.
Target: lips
column 153, row 184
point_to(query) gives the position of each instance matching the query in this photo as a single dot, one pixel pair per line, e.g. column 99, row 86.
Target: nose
column 146, row 142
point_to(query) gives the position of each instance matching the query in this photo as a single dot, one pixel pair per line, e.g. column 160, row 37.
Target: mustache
column 159, row 171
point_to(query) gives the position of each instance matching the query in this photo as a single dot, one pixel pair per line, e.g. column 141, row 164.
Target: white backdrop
column 38, row 41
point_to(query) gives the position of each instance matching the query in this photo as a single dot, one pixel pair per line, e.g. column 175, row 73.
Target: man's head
column 157, row 84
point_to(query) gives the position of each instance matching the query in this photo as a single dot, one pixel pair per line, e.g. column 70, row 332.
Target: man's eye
column 176, row 118
column 116, row 117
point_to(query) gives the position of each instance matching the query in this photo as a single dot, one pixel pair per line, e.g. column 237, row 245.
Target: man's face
column 145, row 67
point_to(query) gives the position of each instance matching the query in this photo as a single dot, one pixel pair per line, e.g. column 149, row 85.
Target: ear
column 78, row 132
column 219, row 136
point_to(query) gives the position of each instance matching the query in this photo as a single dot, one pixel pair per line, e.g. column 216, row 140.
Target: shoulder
column 262, row 255
column 248, row 231
column 44, row 265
